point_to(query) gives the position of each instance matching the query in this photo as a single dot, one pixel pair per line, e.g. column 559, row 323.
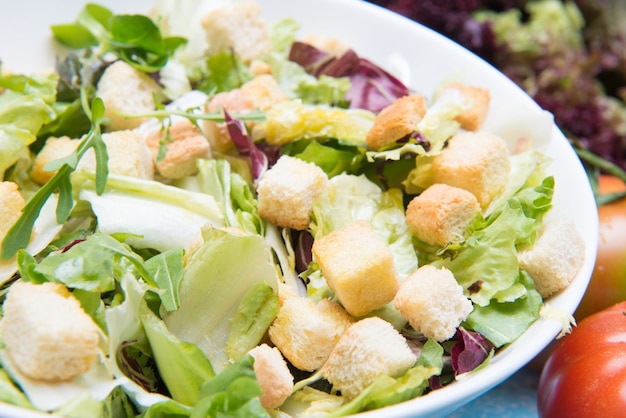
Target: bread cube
column 477, row 100
column 125, row 90
column 556, row 257
column 239, row 26
column 288, row 190
column 273, row 375
column 185, row 145
column 128, row 155
column 433, row 302
column 53, row 149
column 306, row 332
column 441, row 214
column 47, row 334
column 396, row 121
column 358, row 266
column 475, row 161
column 11, row 204
column 260, row 93
column 369, row 348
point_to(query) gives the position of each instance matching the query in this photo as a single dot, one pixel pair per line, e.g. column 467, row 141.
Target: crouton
column 47, row 334
column 358, row 266
column 273, row 375
column 260, row 93
column 306, row 332
column 477, row 100
column 288, row 190
column 239, row 26
column 128, row 155
column 475, row 161
column 125, row 90
column 328, row 44
column 53, row 149
column 441, row 214
column 11, row 204
column 396, row 121
column 556, row 257
column 369, row 348
column 433, row 302
column 186, row 144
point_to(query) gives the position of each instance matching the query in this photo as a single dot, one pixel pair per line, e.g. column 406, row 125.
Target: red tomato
column 608, row 281
column 585, row 375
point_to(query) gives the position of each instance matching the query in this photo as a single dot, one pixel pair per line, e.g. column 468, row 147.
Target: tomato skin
column 608, row 281
column 585, row 375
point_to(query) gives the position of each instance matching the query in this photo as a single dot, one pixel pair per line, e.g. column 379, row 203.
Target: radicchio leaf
column 372, row 88
column 246, row 146
column 469, row 351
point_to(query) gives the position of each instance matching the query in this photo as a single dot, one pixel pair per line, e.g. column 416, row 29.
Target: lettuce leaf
column 213, row 285
column 158, row 216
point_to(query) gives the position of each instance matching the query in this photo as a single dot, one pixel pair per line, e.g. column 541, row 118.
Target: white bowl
column 419, row 57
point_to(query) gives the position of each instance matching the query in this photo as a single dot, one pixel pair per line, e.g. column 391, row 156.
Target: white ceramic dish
column 421, row 58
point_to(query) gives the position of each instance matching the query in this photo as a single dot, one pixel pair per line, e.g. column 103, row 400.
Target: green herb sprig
column 134, row 38
column 20, row 233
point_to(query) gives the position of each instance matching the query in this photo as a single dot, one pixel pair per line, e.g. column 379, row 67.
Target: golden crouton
column 260, row 93
column 556, row 257
column 11, row 204
column 186, row 145
column 358, row 266
column 273, row 375
column 433, row 302
column 47, row 334
column 128, row 155
column 53, row 149
column 396, row 121
column 477, row 101
column 475, row 161
column 288, row 190
column 125, row 90
column 239, row 26
column 368, row 349
column 441, row 214
column 306, row 332
column 331, row 45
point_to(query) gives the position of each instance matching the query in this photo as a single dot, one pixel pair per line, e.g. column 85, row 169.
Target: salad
column 219, row 218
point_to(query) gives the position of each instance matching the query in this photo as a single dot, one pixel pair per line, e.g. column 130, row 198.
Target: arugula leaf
column 20, row 233
column 167, row 270
column 134, row 38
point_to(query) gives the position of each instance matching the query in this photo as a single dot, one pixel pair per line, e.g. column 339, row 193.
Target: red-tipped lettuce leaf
column 372, row 88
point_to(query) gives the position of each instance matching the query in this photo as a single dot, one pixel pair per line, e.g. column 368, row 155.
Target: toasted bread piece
column 288, row 190
column 369, row 348
column 125, row 90
column 441, row 214
column 47, row 334
column 358, row 266
column 128, row 155
column 433, row 302
column 186, row 145
column 396, row 121
column 239, row 26
column 306, row 332
column 475, row 161
column 556, row 257
column 11, row 204
column 273, row 375
column 54, row 149
column 477, row 100
column 260, row 93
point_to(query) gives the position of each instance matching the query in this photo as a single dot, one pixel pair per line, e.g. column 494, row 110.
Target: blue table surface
column 516, row 397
